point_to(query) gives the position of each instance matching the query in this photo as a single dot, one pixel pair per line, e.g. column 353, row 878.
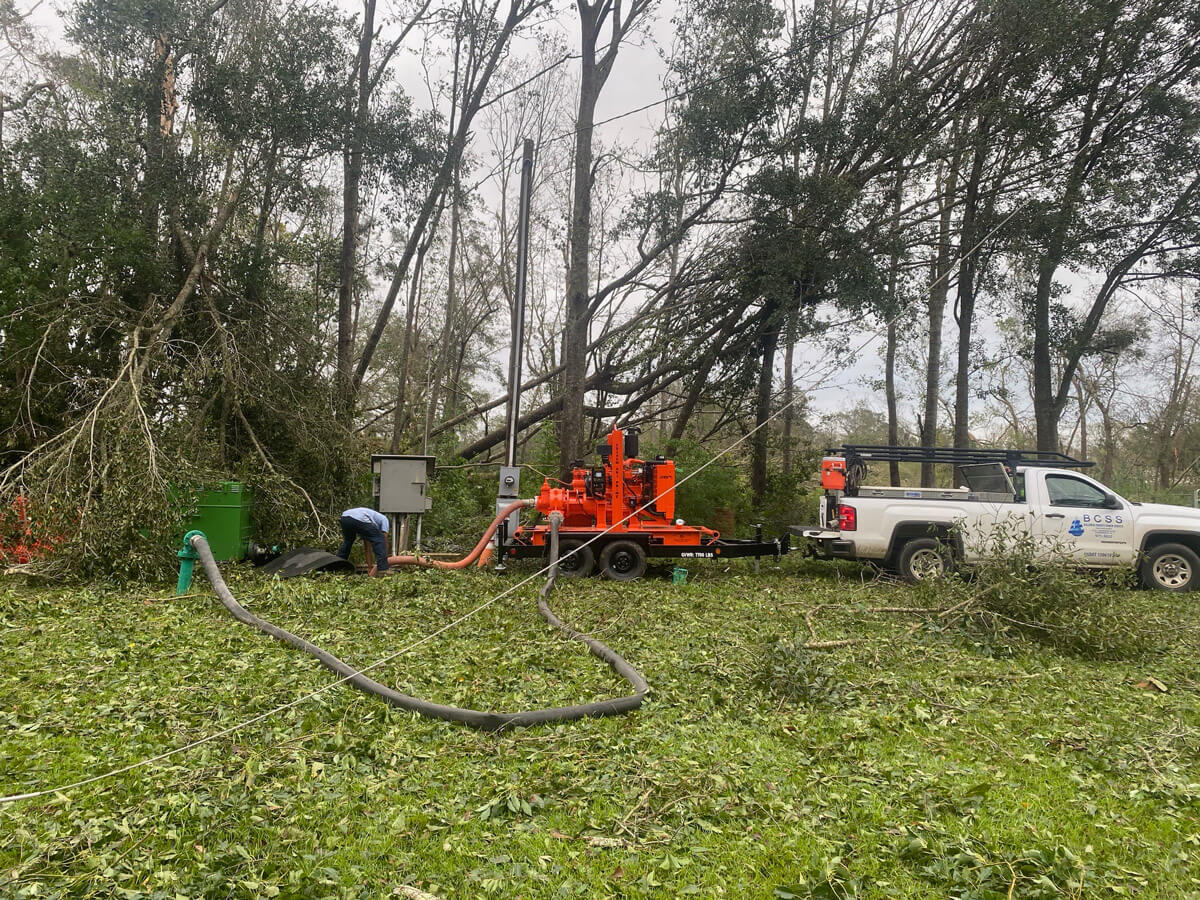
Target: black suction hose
column 487, row 721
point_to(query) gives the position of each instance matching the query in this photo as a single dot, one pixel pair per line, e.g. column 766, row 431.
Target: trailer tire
column 580, row 563
column 1171, row 567
column 623, row 561
column 924, row 559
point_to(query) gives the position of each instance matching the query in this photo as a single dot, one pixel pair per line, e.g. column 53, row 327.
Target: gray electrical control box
column 402, row 483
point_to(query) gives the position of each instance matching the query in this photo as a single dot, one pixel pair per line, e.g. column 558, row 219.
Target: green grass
column 934, row 765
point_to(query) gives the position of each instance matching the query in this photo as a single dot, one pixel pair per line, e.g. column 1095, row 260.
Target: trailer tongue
column 621, row 512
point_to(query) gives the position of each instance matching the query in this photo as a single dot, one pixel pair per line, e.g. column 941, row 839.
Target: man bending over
column 371, row 526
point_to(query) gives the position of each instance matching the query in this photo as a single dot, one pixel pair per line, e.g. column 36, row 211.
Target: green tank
column 223, row 514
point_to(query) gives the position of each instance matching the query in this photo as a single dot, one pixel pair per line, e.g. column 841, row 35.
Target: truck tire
column 1171, row 567
column 623, row 561
column 579, row 564
column 923, row 559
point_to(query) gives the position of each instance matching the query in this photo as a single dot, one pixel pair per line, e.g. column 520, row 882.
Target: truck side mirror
column 1111, row 501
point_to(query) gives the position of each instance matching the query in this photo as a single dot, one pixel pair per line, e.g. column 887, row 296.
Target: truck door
column 1081, row 519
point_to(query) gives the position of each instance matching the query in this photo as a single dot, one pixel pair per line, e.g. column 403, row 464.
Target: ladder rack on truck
column 957, row 456
column 987, row 473
column 919, row 493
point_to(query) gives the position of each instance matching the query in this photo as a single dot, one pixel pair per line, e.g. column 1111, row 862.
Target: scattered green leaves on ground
column 929, row 764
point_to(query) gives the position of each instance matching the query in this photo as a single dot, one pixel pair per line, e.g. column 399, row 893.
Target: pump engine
column 622, row 511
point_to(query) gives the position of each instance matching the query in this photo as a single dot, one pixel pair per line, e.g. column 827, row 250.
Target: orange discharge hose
column 474, row 554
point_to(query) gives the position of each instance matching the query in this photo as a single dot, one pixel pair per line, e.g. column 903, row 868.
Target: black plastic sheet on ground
column 306, row 561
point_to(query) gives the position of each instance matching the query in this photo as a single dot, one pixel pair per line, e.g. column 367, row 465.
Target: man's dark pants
column 356, row 528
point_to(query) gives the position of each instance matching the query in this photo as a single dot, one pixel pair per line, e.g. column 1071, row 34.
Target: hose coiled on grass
column 486, row 721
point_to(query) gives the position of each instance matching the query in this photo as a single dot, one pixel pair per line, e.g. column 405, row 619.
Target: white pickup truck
column 923, row 532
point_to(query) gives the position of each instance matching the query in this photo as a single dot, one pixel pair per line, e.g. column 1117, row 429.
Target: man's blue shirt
column 370, row 516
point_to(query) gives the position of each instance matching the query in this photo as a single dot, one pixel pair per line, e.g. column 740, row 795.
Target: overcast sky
column 835, row 383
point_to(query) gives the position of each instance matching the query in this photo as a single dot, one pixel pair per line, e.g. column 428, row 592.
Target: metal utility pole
column 518, row 323
column 510, row 473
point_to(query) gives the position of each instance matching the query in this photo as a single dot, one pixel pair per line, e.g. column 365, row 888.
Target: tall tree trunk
column 893, row 312
column 762, row 408
column 789, row 392
column 1083, row 408
column 440, row 364
column 968, row 266
column 1045, row 415
column 1046, row 409
column 400, row 415
column 593, row 73
column 352, row 167
column 889, row 384
column 159, row 99
column 1106, row 464
column 575, row 331
column 254, row 281
column 937, row 309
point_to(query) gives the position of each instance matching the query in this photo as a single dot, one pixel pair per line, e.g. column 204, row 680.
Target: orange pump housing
column 628, row 494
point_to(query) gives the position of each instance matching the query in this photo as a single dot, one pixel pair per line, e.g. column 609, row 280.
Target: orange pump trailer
column 621, row 512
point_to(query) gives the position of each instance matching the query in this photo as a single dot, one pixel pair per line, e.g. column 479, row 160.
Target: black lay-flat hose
column 487, row 721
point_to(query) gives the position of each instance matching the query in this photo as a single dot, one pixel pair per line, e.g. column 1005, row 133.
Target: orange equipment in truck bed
column 833, row 473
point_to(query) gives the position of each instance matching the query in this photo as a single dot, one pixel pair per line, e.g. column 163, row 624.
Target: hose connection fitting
column 187, row 562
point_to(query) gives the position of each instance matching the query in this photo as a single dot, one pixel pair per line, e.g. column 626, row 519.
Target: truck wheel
column 579, row 564
column 1171, row 567
column 623, row 561
column 924, row 559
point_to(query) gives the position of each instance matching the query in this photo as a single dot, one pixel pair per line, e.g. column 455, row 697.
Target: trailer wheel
column 1171, row 567
column 580, row 564
column 924, row 559
column 623, row 561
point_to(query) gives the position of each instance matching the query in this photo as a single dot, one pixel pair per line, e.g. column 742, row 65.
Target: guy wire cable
column 224, row 732
column 391, row 656
column 829, row 370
